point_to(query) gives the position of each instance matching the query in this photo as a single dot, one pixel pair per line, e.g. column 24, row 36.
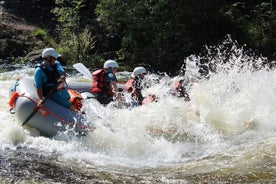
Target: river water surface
column 225, row 134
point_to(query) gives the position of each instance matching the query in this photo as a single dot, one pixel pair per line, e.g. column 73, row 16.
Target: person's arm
column 40, row 96
column 38, row 80
column 114, row 88
column 138, row 90
column 62, row 74
column 60, row 68
column 39, row 93
column 61, row 71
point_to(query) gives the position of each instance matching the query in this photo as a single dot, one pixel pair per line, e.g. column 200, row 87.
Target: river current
column 225, row 134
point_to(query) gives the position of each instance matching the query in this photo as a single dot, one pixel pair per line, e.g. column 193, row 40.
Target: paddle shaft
column 43, row 101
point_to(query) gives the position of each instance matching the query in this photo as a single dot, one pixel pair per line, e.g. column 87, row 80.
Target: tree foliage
column 154, row 33
column 160, row 33
column 256, row 20
column 76, row 40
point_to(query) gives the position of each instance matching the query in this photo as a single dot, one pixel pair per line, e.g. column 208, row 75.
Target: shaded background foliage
column 158, row 34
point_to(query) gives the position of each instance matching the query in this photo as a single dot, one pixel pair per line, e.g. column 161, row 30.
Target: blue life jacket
column 52, row 78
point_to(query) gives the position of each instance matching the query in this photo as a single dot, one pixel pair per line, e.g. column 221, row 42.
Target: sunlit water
column 225, row 134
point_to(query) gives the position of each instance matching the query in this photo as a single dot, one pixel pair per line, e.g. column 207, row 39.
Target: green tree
column 257, row 23
column 76, row 40
column 161, row 33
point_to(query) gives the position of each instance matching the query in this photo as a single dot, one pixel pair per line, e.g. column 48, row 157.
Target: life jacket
column 75, row 98
column 129, row 85
column 149, row 99
column 52, row 78
column 176, row 86
column 99, row 85
column 180, row 90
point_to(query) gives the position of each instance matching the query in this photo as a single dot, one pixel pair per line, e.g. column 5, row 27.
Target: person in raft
column 48, row 74
column 104, row 86
column 179, row 90
column 135, row 85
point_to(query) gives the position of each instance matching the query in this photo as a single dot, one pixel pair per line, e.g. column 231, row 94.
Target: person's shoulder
column 38, row 69
column 57, row 62
column 111, row 75
column 40, row 65
column 98, row 72
column 38, row 72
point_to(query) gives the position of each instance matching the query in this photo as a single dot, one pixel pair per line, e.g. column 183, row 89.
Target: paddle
column 37, row 107
column 83, row 70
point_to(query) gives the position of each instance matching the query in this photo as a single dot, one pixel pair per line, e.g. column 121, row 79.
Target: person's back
column 47, row 76
column 134, row 85
column 179, row 90
column 104, row 86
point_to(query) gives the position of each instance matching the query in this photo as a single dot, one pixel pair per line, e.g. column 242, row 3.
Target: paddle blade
column 83, row 70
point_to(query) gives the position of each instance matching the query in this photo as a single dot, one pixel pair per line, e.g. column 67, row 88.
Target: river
column 232, row 138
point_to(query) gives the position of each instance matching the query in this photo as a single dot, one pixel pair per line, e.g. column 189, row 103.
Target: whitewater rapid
column 228, row 127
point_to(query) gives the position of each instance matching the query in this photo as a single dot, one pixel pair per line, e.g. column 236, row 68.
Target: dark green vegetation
column 158, row 34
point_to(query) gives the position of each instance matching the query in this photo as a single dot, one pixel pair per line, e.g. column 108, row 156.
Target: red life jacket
column 98, row 85
column 180, row 91
column 149, row 99
column 176, row 85
column 129, row 85
column 135, row 91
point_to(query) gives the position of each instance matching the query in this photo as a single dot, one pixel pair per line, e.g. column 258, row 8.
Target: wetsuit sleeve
column 38, row 78
column 112, row 77
column 60, row 68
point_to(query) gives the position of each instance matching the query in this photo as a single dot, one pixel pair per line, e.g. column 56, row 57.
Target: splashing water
column 228, row 127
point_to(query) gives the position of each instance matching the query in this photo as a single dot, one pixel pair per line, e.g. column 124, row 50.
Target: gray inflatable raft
column 51, row 117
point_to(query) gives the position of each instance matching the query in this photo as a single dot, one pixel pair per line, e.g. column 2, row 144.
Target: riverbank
column 17, row 37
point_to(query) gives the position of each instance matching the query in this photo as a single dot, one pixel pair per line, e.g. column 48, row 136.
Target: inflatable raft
column 49, row 119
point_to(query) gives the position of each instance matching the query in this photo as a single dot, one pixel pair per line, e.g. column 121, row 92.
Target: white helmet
column 50, row 52
column 138, row 71
column 111, row 63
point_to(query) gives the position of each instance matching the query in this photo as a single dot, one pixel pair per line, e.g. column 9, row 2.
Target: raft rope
column 58, row 118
